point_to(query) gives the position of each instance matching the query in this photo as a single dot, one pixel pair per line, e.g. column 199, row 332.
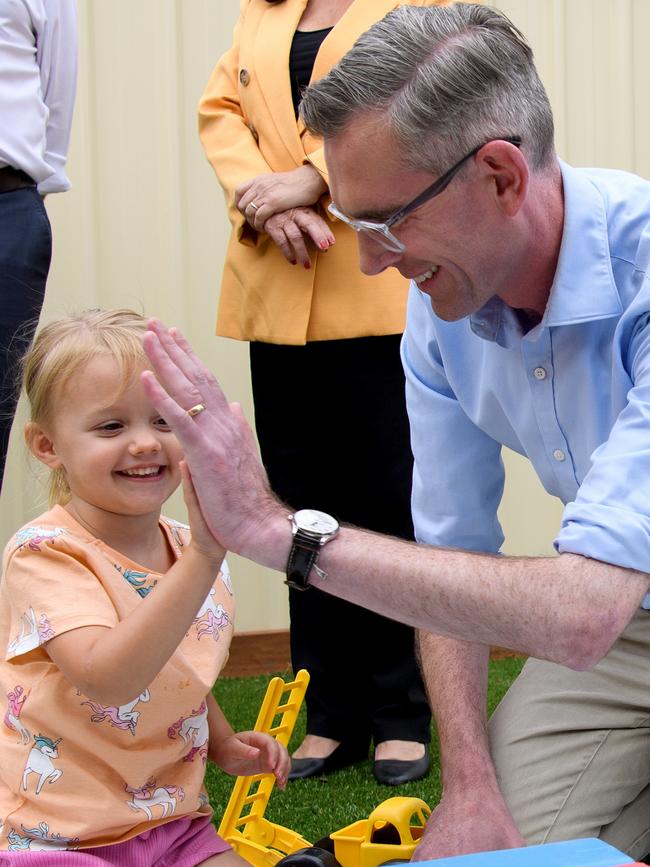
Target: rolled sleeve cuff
column 608, row 534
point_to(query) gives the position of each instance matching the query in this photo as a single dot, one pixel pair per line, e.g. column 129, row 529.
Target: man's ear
column 510, row 172
column 41, row 445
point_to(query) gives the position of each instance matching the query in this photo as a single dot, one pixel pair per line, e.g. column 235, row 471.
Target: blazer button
column 244, row 77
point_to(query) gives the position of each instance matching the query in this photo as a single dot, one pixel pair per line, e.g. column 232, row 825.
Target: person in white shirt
column 38, row 72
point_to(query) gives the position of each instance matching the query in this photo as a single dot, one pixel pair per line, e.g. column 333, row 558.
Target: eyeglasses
column 380, row 232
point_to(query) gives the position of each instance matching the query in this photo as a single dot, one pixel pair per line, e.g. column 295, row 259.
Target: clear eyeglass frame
column 381, row 232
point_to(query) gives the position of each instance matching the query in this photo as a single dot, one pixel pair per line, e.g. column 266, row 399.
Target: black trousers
column 25, row 251
column 333, row 432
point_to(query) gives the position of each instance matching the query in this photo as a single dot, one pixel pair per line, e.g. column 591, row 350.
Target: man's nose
column 373, row 258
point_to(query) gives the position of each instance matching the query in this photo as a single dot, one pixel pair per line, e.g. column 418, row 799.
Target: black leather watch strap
column 303, row 555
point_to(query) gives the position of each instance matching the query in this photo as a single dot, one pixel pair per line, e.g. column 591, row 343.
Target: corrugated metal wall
column 144, row 225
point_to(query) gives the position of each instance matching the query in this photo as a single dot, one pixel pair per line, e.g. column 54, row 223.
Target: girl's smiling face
column 118, row 455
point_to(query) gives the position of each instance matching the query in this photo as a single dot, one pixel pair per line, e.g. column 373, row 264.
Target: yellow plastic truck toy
column 390, row 833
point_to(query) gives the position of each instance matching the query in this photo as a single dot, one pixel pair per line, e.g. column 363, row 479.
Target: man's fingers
column 170, row 376
column 242, row 421
column 175, row 416
column 180, row 371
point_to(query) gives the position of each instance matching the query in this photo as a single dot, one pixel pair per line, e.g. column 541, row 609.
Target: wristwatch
column 311, row 530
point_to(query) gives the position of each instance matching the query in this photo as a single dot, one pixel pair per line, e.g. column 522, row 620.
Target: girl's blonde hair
column 63, row 347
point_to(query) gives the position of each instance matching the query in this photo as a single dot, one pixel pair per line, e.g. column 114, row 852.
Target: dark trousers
column 25, row 252
column 333, row 432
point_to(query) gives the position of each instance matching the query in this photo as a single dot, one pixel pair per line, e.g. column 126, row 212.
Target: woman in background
column 327, row 380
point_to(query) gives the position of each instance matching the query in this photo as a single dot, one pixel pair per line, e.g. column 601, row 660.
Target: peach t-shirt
column 74, row 773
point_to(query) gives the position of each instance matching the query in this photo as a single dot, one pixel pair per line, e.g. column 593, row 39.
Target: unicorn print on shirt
column 39, row 840
column 150, row 795
column 193, row 730
column 33, row 632
column 122, row 717
column 16, row 699
column 40, row 762
column 33, row 536
column 211, row 617
column 137, row 580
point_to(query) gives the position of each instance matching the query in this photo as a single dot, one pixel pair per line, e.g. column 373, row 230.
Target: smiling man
column 528, row 326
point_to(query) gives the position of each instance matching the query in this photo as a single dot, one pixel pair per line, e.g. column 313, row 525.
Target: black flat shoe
column 394, row 772
column 343, row 756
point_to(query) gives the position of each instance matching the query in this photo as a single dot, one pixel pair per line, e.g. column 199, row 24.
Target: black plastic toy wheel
column 325, row 843
column 312, row 856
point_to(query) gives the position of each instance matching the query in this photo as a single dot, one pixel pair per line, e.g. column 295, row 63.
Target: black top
column 304, row 49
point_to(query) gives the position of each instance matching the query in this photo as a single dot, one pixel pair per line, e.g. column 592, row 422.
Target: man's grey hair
column 445, row 79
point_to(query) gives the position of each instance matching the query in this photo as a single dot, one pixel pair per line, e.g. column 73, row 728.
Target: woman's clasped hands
column 279, row 203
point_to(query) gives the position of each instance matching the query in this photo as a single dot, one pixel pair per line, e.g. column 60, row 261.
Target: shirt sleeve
column 49, row 589
column 609, row 519
column 458, row 474
column 56, row 53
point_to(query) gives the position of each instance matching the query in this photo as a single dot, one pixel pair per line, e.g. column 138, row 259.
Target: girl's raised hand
column 202, row 539
column 246, row 753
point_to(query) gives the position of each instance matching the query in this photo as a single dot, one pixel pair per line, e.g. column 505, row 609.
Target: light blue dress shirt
column 572, row 394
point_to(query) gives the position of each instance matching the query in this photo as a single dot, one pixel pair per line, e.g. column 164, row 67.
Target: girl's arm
column 113, row 665
column 244, row 753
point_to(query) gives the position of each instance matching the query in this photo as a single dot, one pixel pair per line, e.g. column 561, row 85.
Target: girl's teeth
column 427, row 274
column 150, row 471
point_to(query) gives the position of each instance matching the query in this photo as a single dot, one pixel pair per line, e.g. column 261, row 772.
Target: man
column 527, row 326
column 38, row 67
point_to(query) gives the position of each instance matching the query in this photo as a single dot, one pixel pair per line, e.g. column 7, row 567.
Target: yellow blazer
column 248, row 127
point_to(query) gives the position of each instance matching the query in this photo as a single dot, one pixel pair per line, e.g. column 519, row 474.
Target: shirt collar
column 583, row 289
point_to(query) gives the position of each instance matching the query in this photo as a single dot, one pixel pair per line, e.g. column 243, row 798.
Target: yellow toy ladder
column 260, row 842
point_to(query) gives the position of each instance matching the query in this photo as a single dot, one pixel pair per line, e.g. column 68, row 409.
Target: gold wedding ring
column 195, row 410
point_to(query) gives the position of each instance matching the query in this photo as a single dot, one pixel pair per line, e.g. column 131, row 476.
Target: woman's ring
column 254, row 206
column 195, row 410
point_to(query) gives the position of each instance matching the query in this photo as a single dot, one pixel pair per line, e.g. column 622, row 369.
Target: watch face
column 313, row 521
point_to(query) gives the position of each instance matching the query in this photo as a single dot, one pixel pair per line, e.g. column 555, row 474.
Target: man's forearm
column 567, row 609
column 455, row 677
column 472, row 815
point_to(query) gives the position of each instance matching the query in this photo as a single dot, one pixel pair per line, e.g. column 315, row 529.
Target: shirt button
column 559, row 455
column 244, row 77
column 539, row 373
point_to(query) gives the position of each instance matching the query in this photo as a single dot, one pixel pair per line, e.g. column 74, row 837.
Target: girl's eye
column 110, row 427
column 161, row 424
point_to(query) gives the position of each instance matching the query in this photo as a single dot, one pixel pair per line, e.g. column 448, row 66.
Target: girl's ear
column 41, row 446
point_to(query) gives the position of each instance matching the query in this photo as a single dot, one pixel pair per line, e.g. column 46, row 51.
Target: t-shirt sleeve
column 49, row 588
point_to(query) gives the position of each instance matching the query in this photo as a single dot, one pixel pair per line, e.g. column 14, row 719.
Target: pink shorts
column 181, row 843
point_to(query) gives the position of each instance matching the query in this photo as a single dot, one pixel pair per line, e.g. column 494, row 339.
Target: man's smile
column 426, row 275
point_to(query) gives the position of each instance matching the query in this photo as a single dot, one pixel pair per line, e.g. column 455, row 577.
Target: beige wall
column 144, row 224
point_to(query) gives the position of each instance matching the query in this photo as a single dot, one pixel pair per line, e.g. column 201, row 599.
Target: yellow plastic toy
column 260, row 842
column 390, row 833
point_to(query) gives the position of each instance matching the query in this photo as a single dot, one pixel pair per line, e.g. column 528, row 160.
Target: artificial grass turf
column 315, row 807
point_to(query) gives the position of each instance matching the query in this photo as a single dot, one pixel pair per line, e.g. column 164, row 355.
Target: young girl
column 115, row 623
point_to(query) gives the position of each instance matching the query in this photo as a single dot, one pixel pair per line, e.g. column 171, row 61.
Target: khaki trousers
column 572, row 749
